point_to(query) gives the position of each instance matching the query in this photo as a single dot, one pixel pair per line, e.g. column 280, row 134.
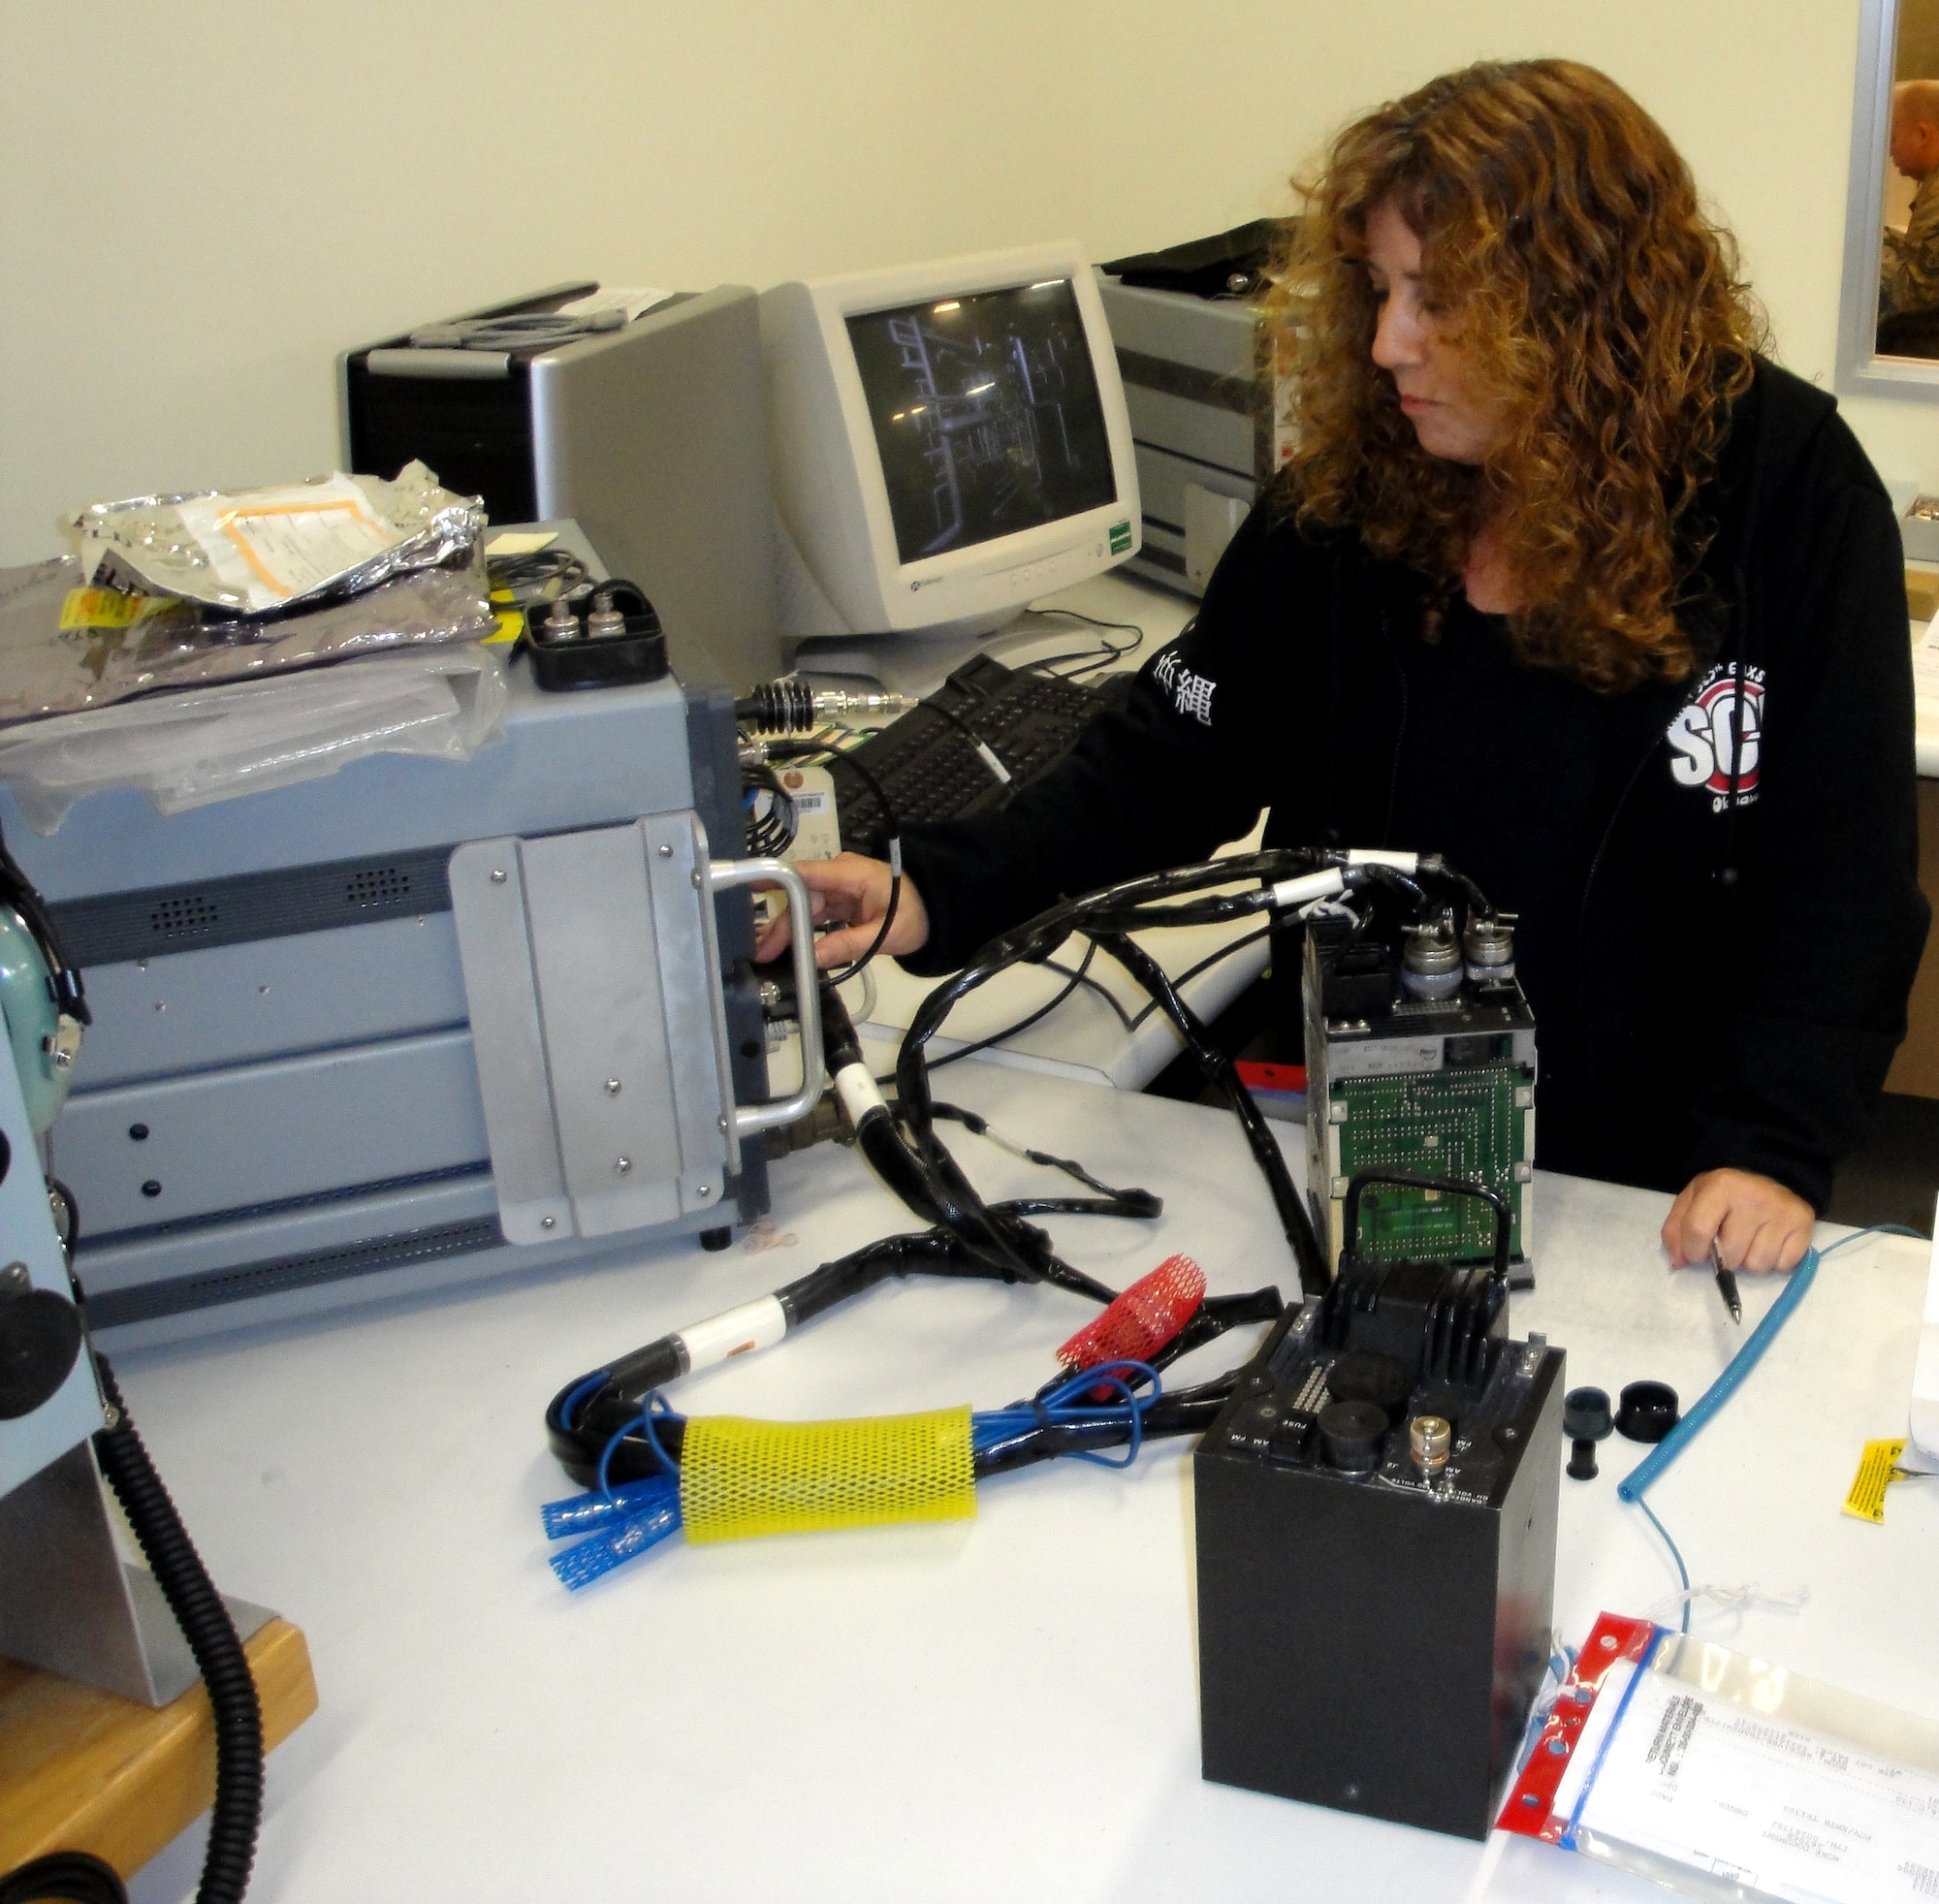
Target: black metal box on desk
column 1366, row 1640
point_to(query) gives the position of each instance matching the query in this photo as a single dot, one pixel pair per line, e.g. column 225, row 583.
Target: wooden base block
column 81, row 1769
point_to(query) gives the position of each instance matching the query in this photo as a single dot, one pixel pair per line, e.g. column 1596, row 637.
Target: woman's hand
column 851, row 894
column 1756, row 1222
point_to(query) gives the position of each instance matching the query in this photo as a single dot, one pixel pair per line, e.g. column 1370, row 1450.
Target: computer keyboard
column 928, row 765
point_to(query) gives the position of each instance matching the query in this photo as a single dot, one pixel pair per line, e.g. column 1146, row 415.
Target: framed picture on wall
column 1889, row 314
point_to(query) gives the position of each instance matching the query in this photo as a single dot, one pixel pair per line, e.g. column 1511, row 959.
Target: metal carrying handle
column 748, row 1118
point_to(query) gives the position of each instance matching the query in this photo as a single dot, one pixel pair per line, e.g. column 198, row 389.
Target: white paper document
column 279, row 543
column 1788, row 1813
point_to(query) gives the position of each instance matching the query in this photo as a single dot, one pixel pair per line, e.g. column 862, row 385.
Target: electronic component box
column 653, row 436
column 1201, row 420
column 1419, row 1057
column 418, row 1021
column 1376, row 1514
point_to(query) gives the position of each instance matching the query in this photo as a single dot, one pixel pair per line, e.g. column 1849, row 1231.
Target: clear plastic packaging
column 217, row 742
column 256, row 550
column 65, row 646
column 1731, row 1778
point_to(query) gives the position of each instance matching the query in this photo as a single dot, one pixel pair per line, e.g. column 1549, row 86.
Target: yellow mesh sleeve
column 740, row 1478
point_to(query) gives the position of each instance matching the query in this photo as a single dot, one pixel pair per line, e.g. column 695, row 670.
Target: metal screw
column 695, row 878
column 111, row 1417
column 706, row 1189
column 160, row 1006
column 497, row 876
column 262, row 991
column 723, row 1123
column 15, row 1279
column 612, row 1087
column 624, row 1164
column 547, row 1222
column 666, row 852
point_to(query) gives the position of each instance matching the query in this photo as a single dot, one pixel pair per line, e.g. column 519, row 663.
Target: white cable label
column 1408, row 862
column 758, row 1325
column 857, row 1092
column 1307, row 886
column 996, row 766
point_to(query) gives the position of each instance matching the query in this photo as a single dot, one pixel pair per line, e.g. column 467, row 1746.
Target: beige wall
column 201, row 204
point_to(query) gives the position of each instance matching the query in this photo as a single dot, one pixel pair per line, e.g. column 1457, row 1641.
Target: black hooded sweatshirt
column 1723, row 981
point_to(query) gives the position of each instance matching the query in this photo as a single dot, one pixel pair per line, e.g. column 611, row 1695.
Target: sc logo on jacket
column 1718, row 722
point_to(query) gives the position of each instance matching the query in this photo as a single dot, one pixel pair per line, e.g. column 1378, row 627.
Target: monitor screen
column 986, row 414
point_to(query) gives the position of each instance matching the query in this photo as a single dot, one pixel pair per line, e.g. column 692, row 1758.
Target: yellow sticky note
column 110, row 608
column 519, row 542
column 1877, row 1470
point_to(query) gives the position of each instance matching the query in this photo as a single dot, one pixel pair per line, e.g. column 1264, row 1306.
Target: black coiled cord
column 211, row 1638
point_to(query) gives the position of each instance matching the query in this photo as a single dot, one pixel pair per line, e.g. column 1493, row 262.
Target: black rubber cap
column 1582, row 1462
column 1586, row 1415
column 1376, row 1379
column 1647, row 1413
column 1351, row 1432
column 39, row 1339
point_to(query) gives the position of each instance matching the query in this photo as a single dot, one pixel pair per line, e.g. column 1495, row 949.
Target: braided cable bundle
column 1138, row 1323
column 739, row 1478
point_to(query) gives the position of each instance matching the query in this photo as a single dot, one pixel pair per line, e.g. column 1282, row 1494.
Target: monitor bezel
column 982, row 576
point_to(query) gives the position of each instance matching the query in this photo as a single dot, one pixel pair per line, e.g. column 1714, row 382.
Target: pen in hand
column 1726, row 1282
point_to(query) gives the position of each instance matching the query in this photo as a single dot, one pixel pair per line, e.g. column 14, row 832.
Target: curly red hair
column 1593, row 301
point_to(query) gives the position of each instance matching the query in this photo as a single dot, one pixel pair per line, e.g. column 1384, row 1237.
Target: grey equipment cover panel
column 593, row 981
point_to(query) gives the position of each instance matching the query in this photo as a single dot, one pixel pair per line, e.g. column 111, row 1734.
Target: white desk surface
column 998, row 1709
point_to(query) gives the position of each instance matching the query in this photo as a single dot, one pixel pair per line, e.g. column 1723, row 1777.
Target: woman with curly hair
column 1568, row 582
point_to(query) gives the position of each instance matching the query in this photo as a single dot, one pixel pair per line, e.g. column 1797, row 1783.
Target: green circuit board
column 1463, row 1123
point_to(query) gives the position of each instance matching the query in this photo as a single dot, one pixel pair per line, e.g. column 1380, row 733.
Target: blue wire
column 1644, row 1475
column 1641, row 1479
column 664, row 1407
column 644, row 1420
column 1060, row 1408
column 1682, row 1571
column 593, row 1382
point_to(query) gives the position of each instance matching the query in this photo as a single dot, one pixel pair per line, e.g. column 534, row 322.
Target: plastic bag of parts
column 258, row 550
column 1730, row 1779
column 65, row 646
column 187, row 750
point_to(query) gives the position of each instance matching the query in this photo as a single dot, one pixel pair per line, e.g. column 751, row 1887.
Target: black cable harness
column 601, row 1414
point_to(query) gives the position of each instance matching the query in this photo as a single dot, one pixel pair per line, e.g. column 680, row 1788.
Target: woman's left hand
column 1756, row 1222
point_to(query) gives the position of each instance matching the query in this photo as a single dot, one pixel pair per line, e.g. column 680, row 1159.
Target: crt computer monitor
column 948, row 441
